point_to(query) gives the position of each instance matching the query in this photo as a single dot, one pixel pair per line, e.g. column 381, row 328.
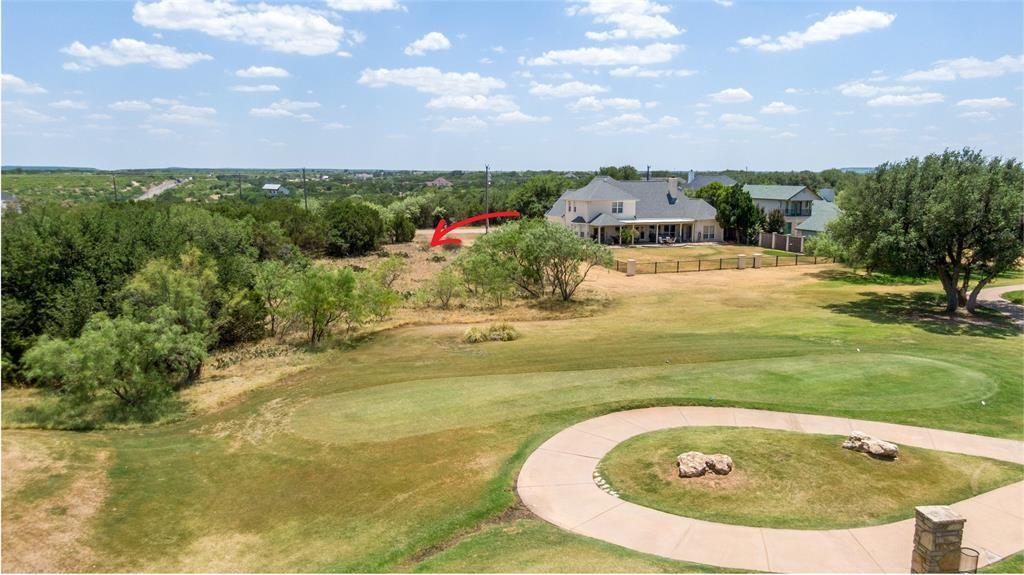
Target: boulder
column 692, row 464
column 719, row 464
column 864, row 443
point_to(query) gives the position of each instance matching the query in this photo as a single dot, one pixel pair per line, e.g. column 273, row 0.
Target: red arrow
column 442, row 229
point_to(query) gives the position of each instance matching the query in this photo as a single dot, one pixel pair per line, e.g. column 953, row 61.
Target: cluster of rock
column 696, row 464
column 864, row 443
column 604, row 485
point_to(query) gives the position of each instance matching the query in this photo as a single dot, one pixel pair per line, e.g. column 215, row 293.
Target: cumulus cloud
column 628, row 19
column 976, row 115
column 784, row 136
column 632, row 123
column 496, row 103
column 335, row 126
column 518, row 117
column 967, row 68
column 364, row 5
column 255, row 88
column 611, row 56
column 572, row 89
column 779, row 108
column 262, row 72
column 125, row 51
column 184, row 114
column 431, row 80
column 638, row 72
column 12, row 83
column 731, row 96
column 286, row 109
column 430, row 42
column 919, row 99
column 831, row 28
column 859, row 89
column 592, row 104
column 738, row 122
column 461, row 124
column 985, row 103
column 286, row 28
column 69, row 105
column 130, row 106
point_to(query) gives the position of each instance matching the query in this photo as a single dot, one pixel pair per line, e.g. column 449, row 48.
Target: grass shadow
column 856, row 278
column 924, row 310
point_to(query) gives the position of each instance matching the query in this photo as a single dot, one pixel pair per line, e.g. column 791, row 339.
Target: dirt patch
column 271, row 419
column 216, row 553
column 47, row 533
column 225, row 387
column 510, row 515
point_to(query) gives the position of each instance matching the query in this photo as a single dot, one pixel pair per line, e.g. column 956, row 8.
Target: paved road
column 993, row 298
column 158, row 189
column 557, row 484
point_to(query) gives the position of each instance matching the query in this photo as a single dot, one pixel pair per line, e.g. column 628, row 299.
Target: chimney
column 691, row 177
column 648, row 173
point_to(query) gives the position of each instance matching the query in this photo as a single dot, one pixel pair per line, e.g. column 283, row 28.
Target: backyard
column 401, row 453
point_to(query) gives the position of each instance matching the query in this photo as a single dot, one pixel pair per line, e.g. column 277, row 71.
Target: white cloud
column 428, row 43
column 833, row 27
column 99, row 117
column 496, row 103
column 335, row 126
column 612, row 56
column 498, row 49
column 919, row 99
column 12, row 83
column 262, row 72
column 517, row 117
column 738, row 122
column 255, row 88
column 794, row 90
column 779, row 108
column 461, row 124
column 882, row 131
column 977, row 115
column 286, row 28
column 19, row 112
column 985, row 103
column 633, row 123
column 859, row 89
column 638, row 72
column 967, row 68
column 572, row 89
column 628, row 19
column 731, row 96
column 364, row 5
column 784, row 136
column 726, row 3
column 592, row 104
column 130, row 106
column 485, row 60
column 125, row 51
column 69, row 105
column 286, row 109
column 431, row 80
column 183, row 114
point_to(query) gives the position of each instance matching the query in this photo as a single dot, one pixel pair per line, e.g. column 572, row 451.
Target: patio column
column 632, row 237
column 657, row 233
column 620, row 234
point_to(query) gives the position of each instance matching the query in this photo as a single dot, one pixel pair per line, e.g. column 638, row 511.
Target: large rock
column 696, row 464
column 692, row 464
column 864, row 443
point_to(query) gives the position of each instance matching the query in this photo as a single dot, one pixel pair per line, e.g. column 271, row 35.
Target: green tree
column 403, row 229
column 775, row 222
column 956, row 214
column 487, row 272
column 710, row 193
column 443, row 287
column 319, row 297
column 271, row 284
column 737, row 213
column 534, row 198
column 620, row 172
column 353, row 228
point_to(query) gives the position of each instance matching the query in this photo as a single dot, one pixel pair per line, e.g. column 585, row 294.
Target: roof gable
column 760, row 192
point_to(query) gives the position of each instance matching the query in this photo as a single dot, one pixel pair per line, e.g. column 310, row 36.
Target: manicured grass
column 785, row 479
column 689, row 252
column 1012, row 564
column 532, row 546
column 378, row 452
column 1016, row 296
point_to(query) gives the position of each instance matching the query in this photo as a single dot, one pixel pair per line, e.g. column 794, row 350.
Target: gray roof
column 271, row 187
column 556, row 210
column 759, row 192
column 827, row 194
column 701, row 180
column 8, row 197
column 579, row 220
column 822, row 212
column 654, row 199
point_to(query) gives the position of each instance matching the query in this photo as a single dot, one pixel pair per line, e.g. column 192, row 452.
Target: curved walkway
column 557, row 484
column 993, row 298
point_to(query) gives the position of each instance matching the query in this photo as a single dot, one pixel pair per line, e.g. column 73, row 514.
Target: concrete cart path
column 557, row 484
column 993, row 298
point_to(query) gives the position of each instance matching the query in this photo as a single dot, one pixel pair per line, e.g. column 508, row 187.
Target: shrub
column 353, row 228
column 494, row 332
column 318, row 298
column 403, row 229
column 441, row 289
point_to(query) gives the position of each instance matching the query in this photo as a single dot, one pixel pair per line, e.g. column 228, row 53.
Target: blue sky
column 520, row 85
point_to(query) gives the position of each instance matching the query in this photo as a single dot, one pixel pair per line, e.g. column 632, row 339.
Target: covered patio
column 608, row 230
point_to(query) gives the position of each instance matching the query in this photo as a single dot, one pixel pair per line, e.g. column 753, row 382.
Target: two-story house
column 654, row 211
column 794, row 202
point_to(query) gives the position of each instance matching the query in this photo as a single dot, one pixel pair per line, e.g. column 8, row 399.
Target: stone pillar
column 757, row 260
column 630, row 267
column 741, row 261
column 938, row 536
column 787, row 242
column 774, row 245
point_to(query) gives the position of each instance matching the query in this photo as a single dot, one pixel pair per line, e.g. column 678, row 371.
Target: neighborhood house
column 275, row 190
column 795, row 202
column 610, row 211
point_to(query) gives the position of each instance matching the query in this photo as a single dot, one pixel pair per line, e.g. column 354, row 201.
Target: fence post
column 720, row 260
column 787, row 242
column 655, row 267
column 677, row 266
column 699, row 264
column 757, row 260
column 797, row 261
column 815, row 260
column 630, row 267
column 775, row 244
column 776, row 261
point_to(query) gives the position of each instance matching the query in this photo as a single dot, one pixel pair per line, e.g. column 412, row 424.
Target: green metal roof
column 822, row 213
column 759, row 192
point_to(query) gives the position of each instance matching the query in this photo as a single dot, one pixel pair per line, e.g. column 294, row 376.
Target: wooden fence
column 715, row 264
column 781, row 242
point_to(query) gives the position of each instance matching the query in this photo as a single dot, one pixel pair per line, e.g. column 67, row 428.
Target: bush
column 318, row 298
column 353, row 228
column 403, row 229
column 494, row 332
column 441, row 289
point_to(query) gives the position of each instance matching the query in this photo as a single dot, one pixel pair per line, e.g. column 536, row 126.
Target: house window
column 789, row 228
column 709, row 232
column 616, row 207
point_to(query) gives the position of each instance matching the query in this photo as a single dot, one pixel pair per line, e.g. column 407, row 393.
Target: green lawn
column 399, row 445
column 688, row 252
column 784, row 479
column 1016, row 296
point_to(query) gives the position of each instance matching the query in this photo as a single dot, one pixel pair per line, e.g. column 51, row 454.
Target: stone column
column 774, row 245
column 757, row 260
column 787, row 242
column 938, row 536
column 630, row 267
column 741, row 261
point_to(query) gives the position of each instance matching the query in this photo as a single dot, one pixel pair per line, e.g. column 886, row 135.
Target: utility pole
column 113, row 177
column 487, row 197
column 648, row 172
column 305, row 193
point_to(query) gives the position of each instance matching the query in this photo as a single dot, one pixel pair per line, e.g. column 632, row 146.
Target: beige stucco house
column 655, row 211
column 795, row 202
